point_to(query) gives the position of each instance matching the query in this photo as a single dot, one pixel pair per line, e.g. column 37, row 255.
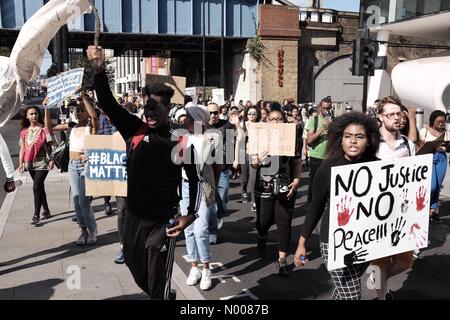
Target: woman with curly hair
column 352, row 138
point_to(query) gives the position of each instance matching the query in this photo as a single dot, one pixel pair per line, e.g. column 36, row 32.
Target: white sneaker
column 206, row 283
column 81, row 241
column 194, row 276
column 219, row 223
column 92, row 237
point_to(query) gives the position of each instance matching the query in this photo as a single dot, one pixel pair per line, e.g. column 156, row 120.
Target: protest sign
column 191, row 92
column 178, row 84
column 218, row 96
column 106, row 173
column 64, row 85
column 276, row 138
column 378, row 209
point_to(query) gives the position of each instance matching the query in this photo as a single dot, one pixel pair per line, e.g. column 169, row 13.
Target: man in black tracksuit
column 153, row 181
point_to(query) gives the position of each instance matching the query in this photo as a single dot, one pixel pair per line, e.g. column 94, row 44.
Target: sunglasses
column 214, row 113
column 251, row 114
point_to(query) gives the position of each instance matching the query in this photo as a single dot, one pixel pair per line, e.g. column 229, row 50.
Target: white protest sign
column 64, row 85
column 106, row 173
column 278, row 139
column 218, row 96
column 27, row 54
column 378, row 209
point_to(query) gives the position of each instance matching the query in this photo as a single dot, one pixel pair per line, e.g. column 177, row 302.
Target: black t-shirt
column 153, row 178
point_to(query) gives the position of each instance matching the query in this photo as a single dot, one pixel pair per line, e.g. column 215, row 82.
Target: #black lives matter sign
column 106, row 173
column 378, row 209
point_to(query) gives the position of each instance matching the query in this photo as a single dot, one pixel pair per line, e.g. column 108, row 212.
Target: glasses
column 393, row 115
column 276, row 119
column 214, row 113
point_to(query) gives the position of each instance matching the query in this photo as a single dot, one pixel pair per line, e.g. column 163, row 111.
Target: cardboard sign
column 178, row 84
column 64, row 85
column 378, row 209
column 276, row 138
column 191, row 92
column 218, row 96
column 106, row 173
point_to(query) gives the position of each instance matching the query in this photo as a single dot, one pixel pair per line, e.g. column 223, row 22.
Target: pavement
column 42, row 262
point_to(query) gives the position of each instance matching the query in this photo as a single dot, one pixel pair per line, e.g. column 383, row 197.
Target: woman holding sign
column 34, row 157
column 87, row 125
column 435, row 130
column 275, row 194
column 352, row 138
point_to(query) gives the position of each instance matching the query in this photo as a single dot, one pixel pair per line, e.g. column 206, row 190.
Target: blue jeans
column 437, row 178
column 197, row 233
column 83, row 208
column 220, row 209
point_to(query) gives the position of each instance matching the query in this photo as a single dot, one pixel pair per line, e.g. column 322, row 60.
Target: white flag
column 28, row 51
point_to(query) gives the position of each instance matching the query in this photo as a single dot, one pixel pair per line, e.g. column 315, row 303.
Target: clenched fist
column 96, row 57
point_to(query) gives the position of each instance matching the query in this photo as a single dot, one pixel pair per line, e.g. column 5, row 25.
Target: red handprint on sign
column 419, row 235
column 420, row 198
column 344, row 211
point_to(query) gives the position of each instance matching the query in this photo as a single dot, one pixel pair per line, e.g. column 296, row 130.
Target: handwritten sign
column 276, row 138
column 378, row 209
column 63, row 85
column 178, row 84
column 218, row 96
column 106, row 173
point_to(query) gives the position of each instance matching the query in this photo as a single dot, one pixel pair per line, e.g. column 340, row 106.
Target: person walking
column 154, row 177
column 275, row 196
column 34, row 157
column 352, row 138
column 87, row 125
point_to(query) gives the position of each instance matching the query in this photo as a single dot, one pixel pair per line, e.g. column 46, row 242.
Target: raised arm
column 126, row 123
column 51, row 126
column 89, row 104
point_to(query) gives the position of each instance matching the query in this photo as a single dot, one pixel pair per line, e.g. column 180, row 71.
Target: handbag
column 60, row 156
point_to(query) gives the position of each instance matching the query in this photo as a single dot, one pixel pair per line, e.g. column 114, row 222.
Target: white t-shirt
column 400, row 150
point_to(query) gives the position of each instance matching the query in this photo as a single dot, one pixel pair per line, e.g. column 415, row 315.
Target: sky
column 344, row 5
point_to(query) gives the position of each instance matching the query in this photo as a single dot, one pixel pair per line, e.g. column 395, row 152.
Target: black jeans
column 121, row 203
column 40, row 198
column 280, row 211
column 248, row 177
column 314, row 164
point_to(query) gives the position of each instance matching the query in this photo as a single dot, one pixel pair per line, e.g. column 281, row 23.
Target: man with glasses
column 392, row 145
column 223, row 177
column 317, row 136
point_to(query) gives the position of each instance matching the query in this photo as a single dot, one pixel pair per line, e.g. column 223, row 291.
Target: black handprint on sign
column 404, row 205
column 355, row 256
column 396, row 234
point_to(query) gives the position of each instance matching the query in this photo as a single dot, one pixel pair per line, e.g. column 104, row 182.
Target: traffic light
column 365, row 57
column 370, row 53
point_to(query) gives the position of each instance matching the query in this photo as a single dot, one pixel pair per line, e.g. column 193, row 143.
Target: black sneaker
column 108, row 209
column 244, row 197
column 253, row 207
column 389, row 295
column 283, row 269
column 435, row 219
column 46, row 215
column 35, row 220
column 262, row 241
column 75, row 219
